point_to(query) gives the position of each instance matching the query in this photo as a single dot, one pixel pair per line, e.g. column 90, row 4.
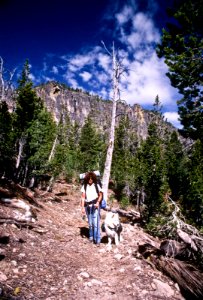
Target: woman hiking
column 91, row 197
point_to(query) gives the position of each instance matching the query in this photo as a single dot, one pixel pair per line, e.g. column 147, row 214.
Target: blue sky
column 62, row 40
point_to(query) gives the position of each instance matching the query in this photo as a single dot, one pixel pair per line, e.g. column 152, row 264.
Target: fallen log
column 10, row 189
column 132, row 215
column 188, row 277
column 175, row 249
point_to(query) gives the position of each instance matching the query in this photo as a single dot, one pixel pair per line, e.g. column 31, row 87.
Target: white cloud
column 145, row 80
column 55, row 70
column 79, row 61
column 144, row 26
column 86, row 76
column 45, row 67
column 73, row 83
column 140, row 31
column 32, row 77
column 69, row 76
column 103, row 78
column 124, row 16
column 173, row 117
column 104, row 61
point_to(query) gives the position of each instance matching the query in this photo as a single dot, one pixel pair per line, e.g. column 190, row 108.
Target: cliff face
column 61, row 101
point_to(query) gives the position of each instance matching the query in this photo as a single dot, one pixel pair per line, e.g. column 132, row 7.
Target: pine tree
column 91, row 147
column 157, row 106
column 121, row 155
column 181, row 46
column 152, row 163
column 73, row 166
column 28, row 107
column 6, row 142
column 176, row 162
column 192, row 201
column 41, row 132
column 66, row 158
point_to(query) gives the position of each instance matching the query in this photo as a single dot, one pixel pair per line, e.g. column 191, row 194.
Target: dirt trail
column 61, row 264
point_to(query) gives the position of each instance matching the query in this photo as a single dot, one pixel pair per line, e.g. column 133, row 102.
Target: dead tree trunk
column 188, row 277
column 6, row 78
column 2, row 84
column 183, row 231
column 53, row 149
column 107, row 168
column 22, row 142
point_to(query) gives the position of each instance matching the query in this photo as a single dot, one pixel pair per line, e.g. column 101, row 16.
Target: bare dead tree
column 22, row 142
column 185, row 232
column 6, row 78
column 117, row 71
column 53, row 149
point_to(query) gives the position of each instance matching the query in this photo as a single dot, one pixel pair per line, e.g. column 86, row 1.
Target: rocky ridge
column 61, row 101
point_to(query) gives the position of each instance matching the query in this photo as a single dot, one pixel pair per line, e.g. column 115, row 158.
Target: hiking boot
column 97, row 244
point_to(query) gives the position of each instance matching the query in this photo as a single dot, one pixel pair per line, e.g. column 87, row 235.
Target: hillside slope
column 55, row 261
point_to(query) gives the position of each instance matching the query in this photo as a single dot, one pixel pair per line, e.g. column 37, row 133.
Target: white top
column 91, row 192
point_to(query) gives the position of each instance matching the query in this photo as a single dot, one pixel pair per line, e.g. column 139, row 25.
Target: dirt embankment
column 55, row 261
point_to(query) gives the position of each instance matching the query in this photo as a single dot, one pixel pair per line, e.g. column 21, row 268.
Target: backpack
column 103, row 201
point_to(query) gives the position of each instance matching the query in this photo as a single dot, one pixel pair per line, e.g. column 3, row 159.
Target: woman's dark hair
column 90, row 175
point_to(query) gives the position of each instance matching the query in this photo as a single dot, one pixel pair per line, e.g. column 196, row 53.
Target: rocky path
column 59, row 263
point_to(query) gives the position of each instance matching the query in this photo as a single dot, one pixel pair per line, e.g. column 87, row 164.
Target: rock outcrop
column 62, row 101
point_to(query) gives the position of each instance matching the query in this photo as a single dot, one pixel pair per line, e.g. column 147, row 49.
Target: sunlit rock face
column 78, row 105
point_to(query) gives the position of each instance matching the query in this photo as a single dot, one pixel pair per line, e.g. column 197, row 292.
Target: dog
column 113, row 228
